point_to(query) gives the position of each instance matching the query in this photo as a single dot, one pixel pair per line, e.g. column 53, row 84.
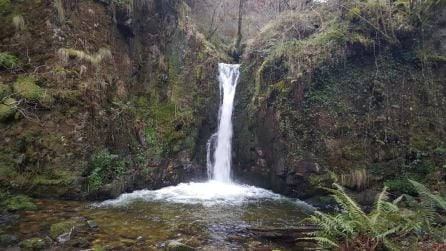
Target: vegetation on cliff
column 101, row 97
column 101, row 75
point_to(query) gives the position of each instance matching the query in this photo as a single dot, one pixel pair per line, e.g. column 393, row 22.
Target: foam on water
column 209, row 194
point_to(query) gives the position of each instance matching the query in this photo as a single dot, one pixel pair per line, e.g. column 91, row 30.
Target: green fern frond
column 425, row 193
column 348, row 204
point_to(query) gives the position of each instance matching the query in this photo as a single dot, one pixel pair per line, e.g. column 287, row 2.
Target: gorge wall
column 103, row 96
column 336, row 94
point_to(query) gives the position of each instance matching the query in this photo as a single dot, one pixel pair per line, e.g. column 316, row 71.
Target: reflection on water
column 148, row 224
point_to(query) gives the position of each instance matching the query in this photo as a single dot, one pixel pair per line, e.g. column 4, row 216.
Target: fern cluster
column 353, row 229
column 428, row 207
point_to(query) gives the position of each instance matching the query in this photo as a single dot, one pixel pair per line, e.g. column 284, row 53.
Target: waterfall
column 219, row 189
column 219, row 167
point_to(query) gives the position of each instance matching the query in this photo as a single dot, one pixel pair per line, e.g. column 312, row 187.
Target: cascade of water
column 219, row 189
column 219, row 168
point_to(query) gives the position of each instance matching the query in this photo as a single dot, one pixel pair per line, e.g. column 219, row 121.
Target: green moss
column 61, row 228
column 5, row 90
column 19, row 202
column 33, row 244
column 26, row 86
column 6, row 112
column 8, row 61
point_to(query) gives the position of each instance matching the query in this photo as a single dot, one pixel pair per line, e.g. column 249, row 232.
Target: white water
column 228, row 79
column 219, row 189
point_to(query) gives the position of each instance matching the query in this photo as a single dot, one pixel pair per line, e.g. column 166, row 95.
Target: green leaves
column 105, row 166
column 352, row 227
column 427, row 196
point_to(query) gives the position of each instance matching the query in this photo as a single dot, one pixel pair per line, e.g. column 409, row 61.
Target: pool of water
column 207, row 217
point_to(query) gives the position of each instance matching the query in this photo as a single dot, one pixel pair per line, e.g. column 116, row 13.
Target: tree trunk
column 238, row 41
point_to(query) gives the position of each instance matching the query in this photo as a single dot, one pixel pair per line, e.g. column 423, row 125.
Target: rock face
column 138, row 93
column 323, row 106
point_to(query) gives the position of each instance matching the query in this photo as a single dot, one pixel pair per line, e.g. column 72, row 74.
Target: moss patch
column 33, row 244
column 19, row 202
column 26, row 86
column 6, row 112
column 8, row 61
column 5, row 90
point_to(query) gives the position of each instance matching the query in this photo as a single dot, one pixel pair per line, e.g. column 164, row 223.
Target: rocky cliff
column 102, row 97
column 342, row 94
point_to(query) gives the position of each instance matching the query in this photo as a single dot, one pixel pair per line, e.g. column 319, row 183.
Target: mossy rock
column 34, row 244
column 6, row 112
column 5, row 90
column 26, row 87
column 19, row 202
column 60, row 228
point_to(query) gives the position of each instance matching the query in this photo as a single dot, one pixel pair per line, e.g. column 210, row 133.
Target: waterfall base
column 208, row 193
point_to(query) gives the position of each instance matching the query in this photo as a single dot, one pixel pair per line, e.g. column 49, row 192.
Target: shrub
column 104, row 166
column 8, row 61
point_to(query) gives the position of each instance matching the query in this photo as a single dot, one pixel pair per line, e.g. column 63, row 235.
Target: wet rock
column 7, row 239
column 78, row 243
column 304, row 167
column 174, row 245
column 34, row 244
column 92, row 224
column 61, row 229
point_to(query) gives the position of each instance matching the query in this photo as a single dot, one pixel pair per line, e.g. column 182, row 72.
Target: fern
column 427, row 196
column 380, row 227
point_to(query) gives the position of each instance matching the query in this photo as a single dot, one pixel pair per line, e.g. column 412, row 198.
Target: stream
column 148, row 225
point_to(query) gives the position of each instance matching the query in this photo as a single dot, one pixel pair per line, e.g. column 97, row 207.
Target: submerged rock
column 7, row 239
column 92, row 224
column 34, row 244
column 80, row 242
column 174, row 245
